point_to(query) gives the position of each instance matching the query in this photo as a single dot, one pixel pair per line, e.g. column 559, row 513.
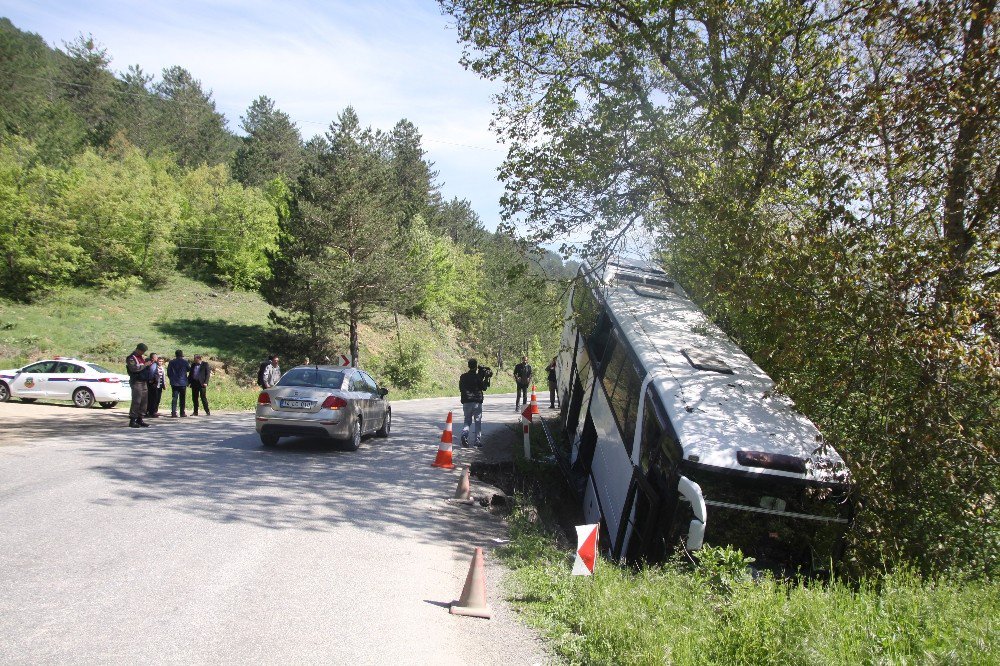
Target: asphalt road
column 187, row 542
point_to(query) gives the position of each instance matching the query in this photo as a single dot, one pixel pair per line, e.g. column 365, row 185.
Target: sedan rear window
column 100, row 369
column 329, row 379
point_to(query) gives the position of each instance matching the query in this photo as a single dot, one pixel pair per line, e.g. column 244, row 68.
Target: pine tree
column 272, row 148
column 340, row 261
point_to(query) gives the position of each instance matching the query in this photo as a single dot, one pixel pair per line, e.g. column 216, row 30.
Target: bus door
column 653, row 496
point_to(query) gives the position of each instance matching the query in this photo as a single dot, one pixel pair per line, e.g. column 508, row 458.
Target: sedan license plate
column 296, row 404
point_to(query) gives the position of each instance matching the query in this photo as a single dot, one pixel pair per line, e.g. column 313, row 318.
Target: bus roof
column 719, row 401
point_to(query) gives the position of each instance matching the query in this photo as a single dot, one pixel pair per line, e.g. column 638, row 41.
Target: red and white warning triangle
column 586, row 550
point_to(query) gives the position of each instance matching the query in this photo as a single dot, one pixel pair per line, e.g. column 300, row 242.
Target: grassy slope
column 229, row 327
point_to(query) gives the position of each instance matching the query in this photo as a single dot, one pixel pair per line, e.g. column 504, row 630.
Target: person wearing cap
column 138, row 377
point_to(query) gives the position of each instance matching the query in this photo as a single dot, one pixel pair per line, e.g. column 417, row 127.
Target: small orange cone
column 463, row 491
column 531, row 409
column 473, row 601
column 444, row 451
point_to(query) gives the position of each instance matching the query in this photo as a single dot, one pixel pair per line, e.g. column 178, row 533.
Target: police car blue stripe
column 74, row 379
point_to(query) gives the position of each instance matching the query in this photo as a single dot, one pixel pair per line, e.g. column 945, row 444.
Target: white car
column 64, row 378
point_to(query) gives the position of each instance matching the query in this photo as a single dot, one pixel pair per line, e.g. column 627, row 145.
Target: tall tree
column 138, row 109
column 272, row 147
column 190, row 124
column 341, row 254
column 414, row 175
column 39, row 249
column 88, row 86
column 822, row 178
column 31, row 104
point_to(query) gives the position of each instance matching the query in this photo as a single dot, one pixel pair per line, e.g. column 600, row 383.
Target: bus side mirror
column 691, row 491
column 696, row 535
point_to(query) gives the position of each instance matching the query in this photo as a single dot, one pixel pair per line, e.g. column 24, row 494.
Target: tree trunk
column 354, row 315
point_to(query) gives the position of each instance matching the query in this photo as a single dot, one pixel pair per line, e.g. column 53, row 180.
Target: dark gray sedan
column 324, row 401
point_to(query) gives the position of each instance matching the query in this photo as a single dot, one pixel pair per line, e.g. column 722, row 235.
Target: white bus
column 677, row 438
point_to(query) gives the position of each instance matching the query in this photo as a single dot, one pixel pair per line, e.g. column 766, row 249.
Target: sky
column 390, row 60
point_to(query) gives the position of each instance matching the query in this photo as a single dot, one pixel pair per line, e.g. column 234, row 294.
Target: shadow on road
column 219, row 471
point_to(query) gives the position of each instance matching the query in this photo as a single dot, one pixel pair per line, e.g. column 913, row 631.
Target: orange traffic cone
column 463, row 491
column 444, row 451
column 473, row 601
column 531, row 409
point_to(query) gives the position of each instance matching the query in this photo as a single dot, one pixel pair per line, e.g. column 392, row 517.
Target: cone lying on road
column 473, row 601
column 444, row 451
column 463, row 491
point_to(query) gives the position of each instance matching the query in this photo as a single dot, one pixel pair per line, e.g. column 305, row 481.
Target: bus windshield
column 787, row 527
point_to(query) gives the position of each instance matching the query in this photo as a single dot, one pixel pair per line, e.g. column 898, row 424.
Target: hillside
column 230, row 327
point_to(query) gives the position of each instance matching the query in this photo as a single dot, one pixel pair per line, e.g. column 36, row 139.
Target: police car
column 64, row 378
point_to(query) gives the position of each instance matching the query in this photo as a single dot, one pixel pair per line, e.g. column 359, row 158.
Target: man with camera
column 471, row 386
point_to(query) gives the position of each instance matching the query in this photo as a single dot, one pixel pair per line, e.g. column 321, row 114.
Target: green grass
column 716, row 614
column 229, row 327
column 671, row 615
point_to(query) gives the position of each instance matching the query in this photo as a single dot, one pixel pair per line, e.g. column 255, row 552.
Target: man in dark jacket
column 522, row 377
column 471, row 385
column 177, row 372
column 198, row 378
column 138, row 376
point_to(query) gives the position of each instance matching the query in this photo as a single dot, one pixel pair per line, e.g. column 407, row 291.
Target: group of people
column 523, row 374
column 473, row 383
column 149, row 376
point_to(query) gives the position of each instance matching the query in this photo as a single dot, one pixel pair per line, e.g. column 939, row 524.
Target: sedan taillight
column 264, row 399
column 334, row 402
column 109, row 380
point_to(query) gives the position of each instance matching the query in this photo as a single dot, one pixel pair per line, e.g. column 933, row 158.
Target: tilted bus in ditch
column 677, row 438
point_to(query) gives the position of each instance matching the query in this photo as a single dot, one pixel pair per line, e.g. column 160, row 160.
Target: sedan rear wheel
column 386, row 425
column 268, row 439
column 4, row 392
column 28, row 399
column 83, row 397
column 354, row 443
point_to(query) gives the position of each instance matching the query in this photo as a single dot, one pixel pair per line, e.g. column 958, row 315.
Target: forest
column 823, row 178
column 114, row 181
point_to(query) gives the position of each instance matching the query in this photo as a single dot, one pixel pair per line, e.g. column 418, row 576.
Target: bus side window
column 614, row 360
column 658, row 444
column 600, row 340
column 629, row 385
column 586, row 308
column 652, row 432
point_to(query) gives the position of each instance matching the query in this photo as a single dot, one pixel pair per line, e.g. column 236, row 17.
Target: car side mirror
column 383, row 391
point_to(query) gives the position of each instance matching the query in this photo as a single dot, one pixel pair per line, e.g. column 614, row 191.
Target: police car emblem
column 29, row 382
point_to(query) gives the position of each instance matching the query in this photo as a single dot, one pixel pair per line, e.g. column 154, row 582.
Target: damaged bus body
column 678, row 438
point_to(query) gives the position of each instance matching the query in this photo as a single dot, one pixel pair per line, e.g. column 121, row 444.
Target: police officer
column 138, row 378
